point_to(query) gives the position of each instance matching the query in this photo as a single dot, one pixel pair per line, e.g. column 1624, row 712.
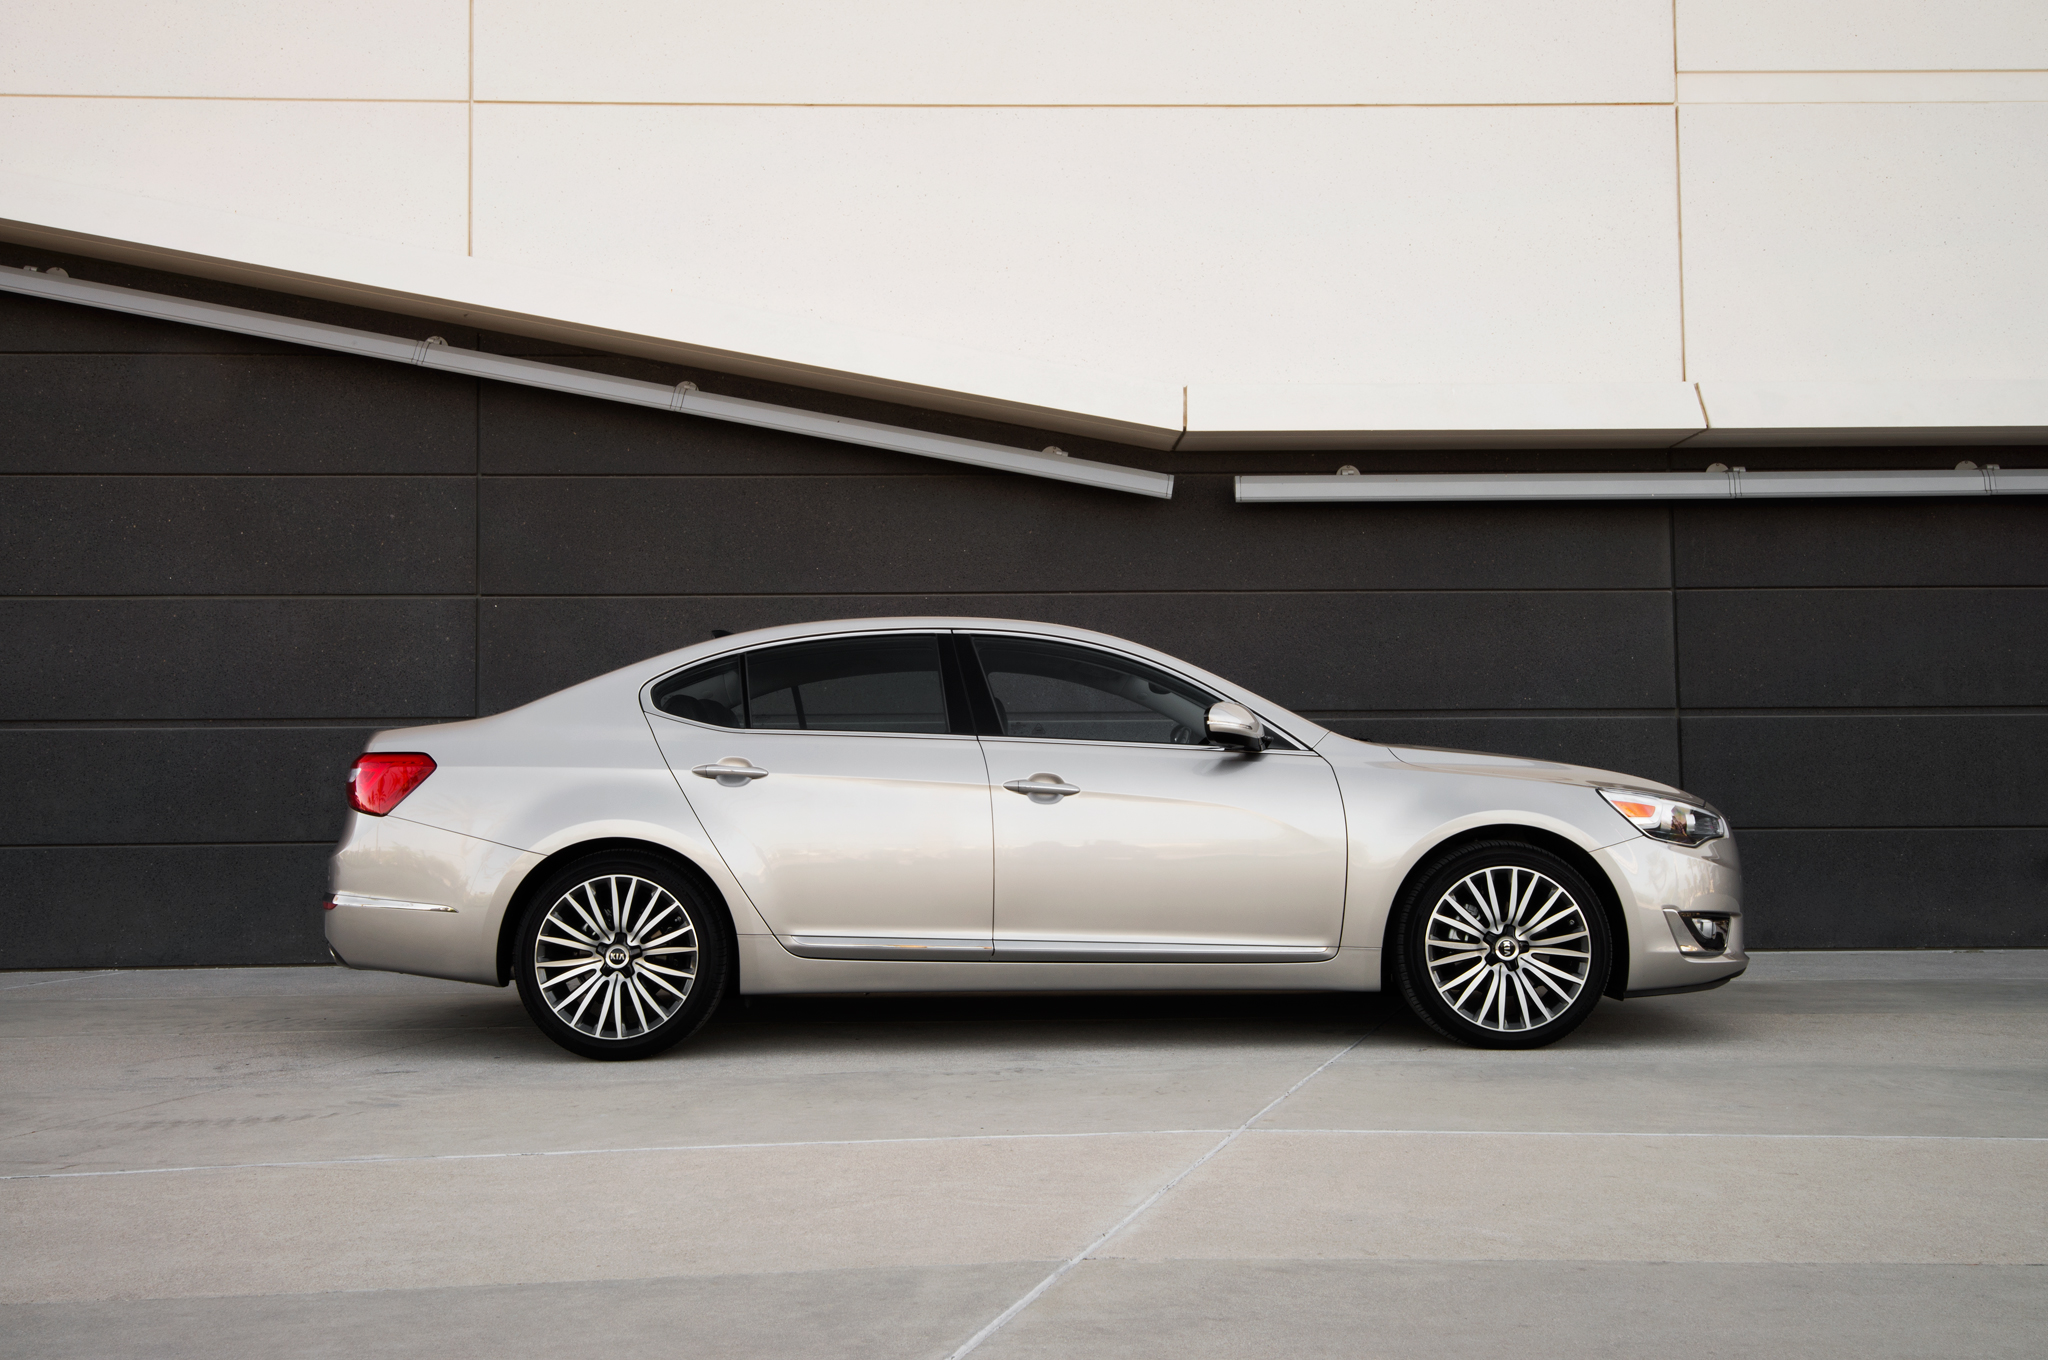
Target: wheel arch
column 515, row 908
column 1566, row 850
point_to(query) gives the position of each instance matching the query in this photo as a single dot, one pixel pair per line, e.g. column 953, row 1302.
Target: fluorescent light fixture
column 683, row 397
column 1735, row 483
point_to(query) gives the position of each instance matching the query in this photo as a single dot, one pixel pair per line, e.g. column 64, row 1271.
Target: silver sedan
column 951, row 805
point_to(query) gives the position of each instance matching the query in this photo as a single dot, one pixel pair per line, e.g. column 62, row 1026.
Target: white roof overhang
column 577, row 306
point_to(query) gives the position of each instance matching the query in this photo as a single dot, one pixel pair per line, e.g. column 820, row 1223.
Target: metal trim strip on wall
column 1719, row 484
column 438, row 354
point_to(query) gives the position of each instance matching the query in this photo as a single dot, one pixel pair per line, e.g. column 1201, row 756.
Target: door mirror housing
column 1236, row 726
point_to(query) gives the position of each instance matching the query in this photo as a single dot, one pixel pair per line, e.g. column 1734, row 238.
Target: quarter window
column 870, row 684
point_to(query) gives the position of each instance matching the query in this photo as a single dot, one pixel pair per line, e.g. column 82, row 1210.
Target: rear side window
column 874, row 684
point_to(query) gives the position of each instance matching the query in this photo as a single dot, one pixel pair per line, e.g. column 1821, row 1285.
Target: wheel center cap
column 1506, row 947
column 617, row 956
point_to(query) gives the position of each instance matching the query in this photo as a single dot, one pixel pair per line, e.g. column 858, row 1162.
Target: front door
column 828, row 776
column 1168, row 848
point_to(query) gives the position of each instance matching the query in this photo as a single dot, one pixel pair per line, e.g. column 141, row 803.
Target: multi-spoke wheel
column 1500, row 945
column 620, row 956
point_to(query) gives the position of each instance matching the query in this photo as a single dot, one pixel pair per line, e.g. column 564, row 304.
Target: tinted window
column 711, row 694
column 887, row 684
column 883, row 684
column 1053, row 689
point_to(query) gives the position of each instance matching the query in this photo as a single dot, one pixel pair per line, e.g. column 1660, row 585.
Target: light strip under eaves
column 683, row 397
column 1735, row 484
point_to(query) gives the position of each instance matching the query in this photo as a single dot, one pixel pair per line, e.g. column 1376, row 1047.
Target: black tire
column 652, row 932
column 1470, row 979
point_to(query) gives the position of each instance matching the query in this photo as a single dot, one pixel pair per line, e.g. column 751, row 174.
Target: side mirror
column 1236, row 726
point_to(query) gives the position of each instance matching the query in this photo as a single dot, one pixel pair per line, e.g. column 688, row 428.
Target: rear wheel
column 620, row 956
column 1500, row 944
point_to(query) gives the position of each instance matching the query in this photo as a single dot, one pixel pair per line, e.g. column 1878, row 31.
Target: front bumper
column 1650, row 877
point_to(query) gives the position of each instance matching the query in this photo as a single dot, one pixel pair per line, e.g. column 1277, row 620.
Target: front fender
column 1399, row 814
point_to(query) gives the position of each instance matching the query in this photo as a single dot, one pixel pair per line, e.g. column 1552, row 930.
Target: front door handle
column 1042, row 788
column 733, row 772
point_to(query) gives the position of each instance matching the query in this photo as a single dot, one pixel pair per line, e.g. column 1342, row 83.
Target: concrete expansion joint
column 1003, row 1319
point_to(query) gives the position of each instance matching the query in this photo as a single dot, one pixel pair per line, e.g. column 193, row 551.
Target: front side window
column 871, row 684
column 1055, row 689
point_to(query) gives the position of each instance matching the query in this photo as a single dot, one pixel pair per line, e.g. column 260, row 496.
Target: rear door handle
column 733, row 772
column 1042, row 788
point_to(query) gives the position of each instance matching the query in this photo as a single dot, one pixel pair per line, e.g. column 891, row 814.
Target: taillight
column 381, row 779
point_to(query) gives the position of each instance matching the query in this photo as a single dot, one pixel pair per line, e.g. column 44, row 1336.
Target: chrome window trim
column 1207, row 748
column 1302, row 745
column 748, row 732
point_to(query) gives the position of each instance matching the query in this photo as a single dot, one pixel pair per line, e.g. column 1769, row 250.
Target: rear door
column 845, row 794
column 1169, row 848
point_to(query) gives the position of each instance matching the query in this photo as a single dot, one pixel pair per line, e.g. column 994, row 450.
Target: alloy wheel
column 1508, row 948
column 616, row 956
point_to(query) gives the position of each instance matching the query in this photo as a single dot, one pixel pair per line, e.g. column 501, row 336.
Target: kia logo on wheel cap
column 616, row 956
column 1506, row 947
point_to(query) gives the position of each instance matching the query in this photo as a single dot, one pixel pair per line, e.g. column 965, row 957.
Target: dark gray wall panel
column 237, row 535
column 133, row 786
column 942, row 533
column 1917, row 889
column 162, row 906
column 1775, row 544
column 101, row 659
column 1343, row 651
column 1645, row 746
column 193, row 747
column 1861, row 770
column 199, row 413
column 1862, row 648
column 526, row 431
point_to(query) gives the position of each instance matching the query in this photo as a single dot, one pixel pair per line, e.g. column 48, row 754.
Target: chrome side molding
column 1154, row 951
column 885, row 948
column 392, row 903
column 879, row 949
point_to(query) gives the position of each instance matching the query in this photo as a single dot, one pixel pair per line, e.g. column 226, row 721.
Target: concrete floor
column 1838, row 1155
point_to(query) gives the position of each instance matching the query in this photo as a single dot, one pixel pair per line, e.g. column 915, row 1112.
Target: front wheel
column 620, row 956
column 1500, row 945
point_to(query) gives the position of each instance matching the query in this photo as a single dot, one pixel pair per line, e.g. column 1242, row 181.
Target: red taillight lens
column 381, row 779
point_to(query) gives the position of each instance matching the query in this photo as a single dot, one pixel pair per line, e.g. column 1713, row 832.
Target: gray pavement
column 1837, row 1155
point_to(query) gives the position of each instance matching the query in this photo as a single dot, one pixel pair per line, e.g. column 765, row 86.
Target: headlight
column 1666, row 819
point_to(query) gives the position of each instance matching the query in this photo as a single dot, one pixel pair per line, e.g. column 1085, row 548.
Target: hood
column 1522, row 767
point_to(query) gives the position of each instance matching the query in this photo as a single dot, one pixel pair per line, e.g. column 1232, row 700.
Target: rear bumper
column 1651, row 876
column 417, row 899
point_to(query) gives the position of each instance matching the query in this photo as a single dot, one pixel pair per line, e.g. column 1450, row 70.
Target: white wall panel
column 390, row 171
column 1862, row 35
column 1852, row 241
column 364, row 49
column 1347, row 245
column 1862, row 87
column 1075, row 51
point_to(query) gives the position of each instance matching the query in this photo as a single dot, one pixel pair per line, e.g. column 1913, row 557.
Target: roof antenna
column 721, row 632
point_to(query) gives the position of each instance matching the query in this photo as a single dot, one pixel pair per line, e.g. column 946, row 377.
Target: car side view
column 959, row 805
